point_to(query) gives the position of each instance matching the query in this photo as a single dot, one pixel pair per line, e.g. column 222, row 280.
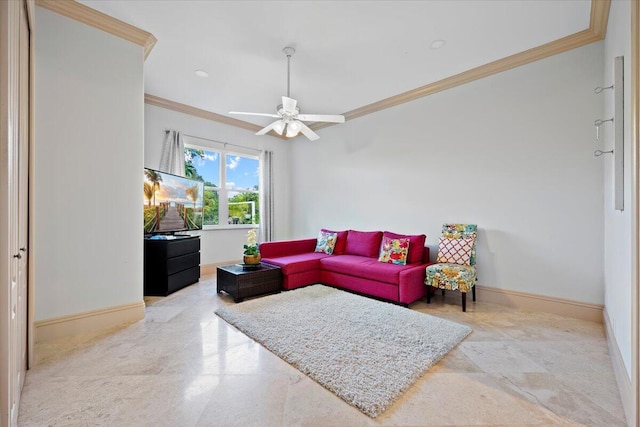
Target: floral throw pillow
column 394, row 251
column 455, row 251
column 326, row 242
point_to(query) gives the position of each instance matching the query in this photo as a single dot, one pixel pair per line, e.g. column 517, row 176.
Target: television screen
column 171, row 203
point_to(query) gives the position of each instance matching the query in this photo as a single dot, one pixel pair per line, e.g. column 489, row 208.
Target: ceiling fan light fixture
column 279, row 127
column 291, row 134
column 293, row 129
column 295, row 125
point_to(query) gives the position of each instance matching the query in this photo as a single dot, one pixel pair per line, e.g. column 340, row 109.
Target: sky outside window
column 209, row 167
column 242, row 172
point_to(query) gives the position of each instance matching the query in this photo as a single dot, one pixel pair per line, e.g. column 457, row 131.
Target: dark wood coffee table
column 241, row 283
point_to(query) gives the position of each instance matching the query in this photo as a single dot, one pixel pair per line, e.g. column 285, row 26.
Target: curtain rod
column 217, row 142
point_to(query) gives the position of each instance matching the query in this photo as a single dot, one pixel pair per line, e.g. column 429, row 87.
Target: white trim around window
column 223, row 191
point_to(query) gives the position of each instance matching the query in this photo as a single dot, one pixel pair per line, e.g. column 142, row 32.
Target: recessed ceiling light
column 201, row 73
column 437, row 44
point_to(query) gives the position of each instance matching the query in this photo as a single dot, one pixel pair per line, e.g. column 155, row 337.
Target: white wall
column 618, row 225
column 222, row 245
column 512, row 152
column 88, row 151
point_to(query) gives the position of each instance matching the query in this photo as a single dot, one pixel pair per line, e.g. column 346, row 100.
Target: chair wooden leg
column 464, row 301
column 428, row 294
column 473, row 290
column 443, row 292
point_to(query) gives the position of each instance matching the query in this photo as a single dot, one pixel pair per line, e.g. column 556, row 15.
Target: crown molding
column 197, row 112
column 86, row 15
column 204, row 114
column 596, row 31
column 599, row 17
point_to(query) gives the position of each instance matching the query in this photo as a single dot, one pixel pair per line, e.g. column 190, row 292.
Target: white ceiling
column 348, row 53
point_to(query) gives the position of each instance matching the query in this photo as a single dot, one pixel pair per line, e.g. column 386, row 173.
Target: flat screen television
column 172, row 203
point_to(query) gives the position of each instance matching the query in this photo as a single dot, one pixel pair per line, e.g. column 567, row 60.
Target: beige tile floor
column 183, row 366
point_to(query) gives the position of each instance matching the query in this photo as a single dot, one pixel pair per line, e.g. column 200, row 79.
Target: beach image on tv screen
column 171, row 203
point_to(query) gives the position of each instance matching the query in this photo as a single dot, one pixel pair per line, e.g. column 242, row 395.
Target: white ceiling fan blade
column 289, row 105
column 332, row 118
column 265, row 130
column 255, row 114
column 308, row 132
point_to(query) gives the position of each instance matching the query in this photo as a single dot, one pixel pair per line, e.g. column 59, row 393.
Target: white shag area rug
column 365, row 351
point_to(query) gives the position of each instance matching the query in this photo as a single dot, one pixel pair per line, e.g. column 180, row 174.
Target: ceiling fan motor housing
column 284, row 113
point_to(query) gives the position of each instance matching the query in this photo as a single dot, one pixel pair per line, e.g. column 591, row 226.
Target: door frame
column 10, row 20
column 635, row 214
column 31, row 300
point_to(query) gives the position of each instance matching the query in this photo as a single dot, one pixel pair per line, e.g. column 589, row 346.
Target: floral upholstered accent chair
column 456, row 263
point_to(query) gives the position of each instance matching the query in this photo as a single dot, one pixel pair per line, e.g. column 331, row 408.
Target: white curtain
column 172, row 158
column 266, row 197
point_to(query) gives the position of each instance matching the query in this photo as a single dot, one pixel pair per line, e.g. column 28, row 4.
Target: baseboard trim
column 564, row 307
column 90, row 321
column 623, row 380
column 210, row 269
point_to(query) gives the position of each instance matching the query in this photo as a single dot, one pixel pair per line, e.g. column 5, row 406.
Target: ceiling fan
column 288, row 114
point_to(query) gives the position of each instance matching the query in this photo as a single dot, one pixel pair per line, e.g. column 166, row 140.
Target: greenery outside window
column 231, row 185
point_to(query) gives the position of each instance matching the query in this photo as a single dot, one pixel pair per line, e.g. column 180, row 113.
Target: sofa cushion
column 286, row 247
column 416, row 245
column 292, row 264
column 341, row 241
column 341, row 263
column 326, row 242
column 363, row 267
column 363, row 243
column 394, row 251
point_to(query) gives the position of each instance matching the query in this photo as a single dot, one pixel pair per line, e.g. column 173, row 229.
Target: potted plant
column 251, row 249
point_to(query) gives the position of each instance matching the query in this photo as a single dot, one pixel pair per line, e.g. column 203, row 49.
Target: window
column 231, row 185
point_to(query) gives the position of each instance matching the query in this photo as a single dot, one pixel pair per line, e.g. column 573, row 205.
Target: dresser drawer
column 183, row 262
column 182, row 279
column 182, row 247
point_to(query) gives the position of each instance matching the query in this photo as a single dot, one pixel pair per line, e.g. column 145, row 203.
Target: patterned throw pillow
column 341, row 240
column 455, row 251
column 416, row 243
column 326, row 242
column 394, row 251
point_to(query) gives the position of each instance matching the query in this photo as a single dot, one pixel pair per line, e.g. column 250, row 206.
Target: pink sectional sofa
column 353, row 265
